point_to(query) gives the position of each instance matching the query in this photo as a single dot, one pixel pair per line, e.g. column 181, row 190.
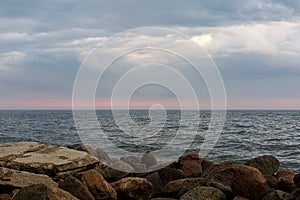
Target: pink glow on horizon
column 238, row 103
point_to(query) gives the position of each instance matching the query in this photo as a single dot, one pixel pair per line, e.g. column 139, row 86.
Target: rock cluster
column 34, row 171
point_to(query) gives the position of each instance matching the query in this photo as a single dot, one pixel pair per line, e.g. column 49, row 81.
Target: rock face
column 42, row 192
column 203, row 193
column 267, row 164
column 44, row 159
column 277, row 195
column 249, row 182
column 12, row 179
column 132, row 188
column 97, row 185
column 190, row 165
column 76, row 188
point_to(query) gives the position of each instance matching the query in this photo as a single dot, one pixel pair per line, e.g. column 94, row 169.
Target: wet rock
column 190, row 165
column 155, row 180
column 133, row 188
column 101, row 154
column 297, row 180
column 249, row 182
column 203, row 193
column 114, row 169
column 76, row 188
column 149, row 159
column 272, row 182
column 286, row 183
column 283, row 173
column 267, row 164
column 42, row 192
column 11, row 179
column 170, row 174
column 172, row 188
column 5, row 197
column 97, row 185
column 44, row 159
column 277, row 195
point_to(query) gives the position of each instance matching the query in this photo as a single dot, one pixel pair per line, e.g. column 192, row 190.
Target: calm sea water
column 245, row 134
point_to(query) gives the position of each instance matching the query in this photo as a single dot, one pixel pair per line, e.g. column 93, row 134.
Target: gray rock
column 12, row 179
column 42, row 192
column 149, row 159
column 203, row 193
column 44, row 159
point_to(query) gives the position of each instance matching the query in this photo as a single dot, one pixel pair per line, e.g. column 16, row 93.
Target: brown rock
column 97, row 185
column 267, row 164
column 76, row 188
column 133, row 188
column 239, row 198
column 44, row 159
column 249, row 182
column 149, row 159
column 170, row 174
column 277, row 195
column 190, row 165
column 283, row 173
column 206, row 165
column 297, row 180
column 172, row 188
column 42, row 192
column 286, row 183
column 5, row 197
column 272, row 182
column 155, row 180
column 101, row 154
column 114, row 170
column 203, row 193
column 11, row 179
column 225, row 189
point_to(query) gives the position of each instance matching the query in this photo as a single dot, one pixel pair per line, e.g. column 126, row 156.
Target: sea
column 244, row 134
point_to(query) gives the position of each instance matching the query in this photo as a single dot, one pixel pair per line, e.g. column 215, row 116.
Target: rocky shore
column 35, row 171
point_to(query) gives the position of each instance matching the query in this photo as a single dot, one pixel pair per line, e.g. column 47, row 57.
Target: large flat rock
column 44, row 159
column 10, row 178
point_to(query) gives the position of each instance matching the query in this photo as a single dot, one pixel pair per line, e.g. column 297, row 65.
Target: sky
column 254, row 44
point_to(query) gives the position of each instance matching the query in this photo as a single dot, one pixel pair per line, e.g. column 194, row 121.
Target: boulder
column 114, row 169
column 283, row 173
column 297, row 180
column 239, row 198
column 5, row 197
column 133, row 188
column 131, row 160
column 249, row 182
column 225, row 189
column 190, row 165
column 206, row 165
column 149, row 159
column 267, row 164
column 172, row 188
column 44, row 159
column 286, row 183
column 76, row 188
column 272, row 182
column 203, row 193
column 277, row 195
column 42, row 192
column 161, row 198
column 79, row 147
column 11, row 179
column 97, row 185
column 101, row 154
column 155, row 180
column 295, row 194
column 168, row 174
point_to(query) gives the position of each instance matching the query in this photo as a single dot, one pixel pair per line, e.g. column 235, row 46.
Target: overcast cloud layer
column 255, row 44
